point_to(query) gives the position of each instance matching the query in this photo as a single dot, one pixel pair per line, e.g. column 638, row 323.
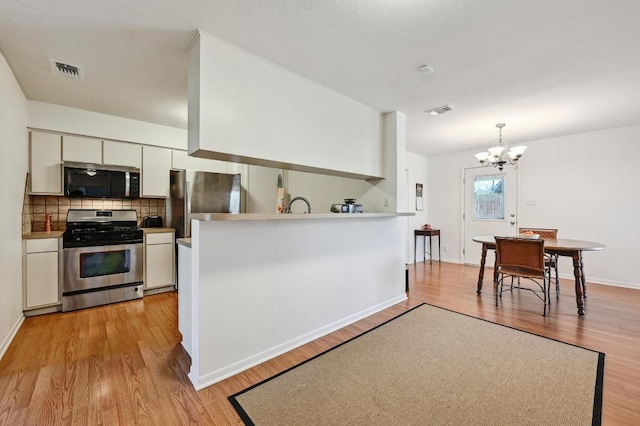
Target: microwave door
column 86, row 183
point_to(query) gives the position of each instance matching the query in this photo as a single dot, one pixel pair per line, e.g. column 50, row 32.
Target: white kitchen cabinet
column 122, row 154
column 159, row 260
column 81, row 150
column 45, row 158
column 182, row 161
column 41, row 273
column 156, row 165
column 215, row 166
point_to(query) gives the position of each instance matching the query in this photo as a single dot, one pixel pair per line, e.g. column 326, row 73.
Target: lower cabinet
column 41, row 273
column 159, row 265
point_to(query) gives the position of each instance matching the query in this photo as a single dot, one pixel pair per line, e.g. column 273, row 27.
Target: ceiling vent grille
column 439, row 110
column 66, row 70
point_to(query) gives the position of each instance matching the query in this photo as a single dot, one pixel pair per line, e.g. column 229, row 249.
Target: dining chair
column 522, row 258
column 551, row 259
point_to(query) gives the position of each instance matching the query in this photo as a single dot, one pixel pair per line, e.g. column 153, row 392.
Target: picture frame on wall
column 419, row 198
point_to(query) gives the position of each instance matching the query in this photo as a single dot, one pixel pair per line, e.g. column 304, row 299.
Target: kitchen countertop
column 42, row 235
column 184, row 242
column 289, row 216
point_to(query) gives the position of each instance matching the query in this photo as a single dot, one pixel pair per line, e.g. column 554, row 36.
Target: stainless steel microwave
column 88, row 181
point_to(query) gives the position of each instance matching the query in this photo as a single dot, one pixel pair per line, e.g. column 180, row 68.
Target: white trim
column 12, row 334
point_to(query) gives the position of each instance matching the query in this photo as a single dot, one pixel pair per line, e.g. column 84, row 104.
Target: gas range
column 102, row 258
column 87, row 228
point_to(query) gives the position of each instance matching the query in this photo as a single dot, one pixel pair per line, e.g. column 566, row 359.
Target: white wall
column 76, row 121
column 417, row 167
column 13, row 173
column 243, row 108
column 585, row 185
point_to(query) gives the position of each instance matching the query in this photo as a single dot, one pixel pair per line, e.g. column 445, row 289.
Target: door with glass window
column 490, row 197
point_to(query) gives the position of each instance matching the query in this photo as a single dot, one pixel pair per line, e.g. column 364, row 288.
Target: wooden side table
column 424, row 233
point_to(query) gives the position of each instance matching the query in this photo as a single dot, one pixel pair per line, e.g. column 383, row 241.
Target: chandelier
column 500, row 153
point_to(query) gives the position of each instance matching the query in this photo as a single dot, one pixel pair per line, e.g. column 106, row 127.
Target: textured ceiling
column 545, row 67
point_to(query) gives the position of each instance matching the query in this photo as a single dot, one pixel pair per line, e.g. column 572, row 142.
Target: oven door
column 96, row 267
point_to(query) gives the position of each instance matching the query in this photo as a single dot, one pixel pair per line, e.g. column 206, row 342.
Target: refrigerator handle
column 187, row 210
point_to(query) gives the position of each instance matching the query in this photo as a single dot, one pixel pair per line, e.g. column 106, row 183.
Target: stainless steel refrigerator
column 200, row 192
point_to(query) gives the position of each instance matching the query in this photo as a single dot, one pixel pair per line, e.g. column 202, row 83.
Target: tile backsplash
column 41, row 205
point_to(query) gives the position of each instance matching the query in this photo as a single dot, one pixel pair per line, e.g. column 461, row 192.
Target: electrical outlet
column 531, row 202
column 386, row 201
column 445, row 248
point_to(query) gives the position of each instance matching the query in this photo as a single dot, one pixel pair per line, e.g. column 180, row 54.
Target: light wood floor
column 123, row 363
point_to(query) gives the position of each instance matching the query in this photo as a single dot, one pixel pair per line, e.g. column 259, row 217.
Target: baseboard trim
column 12, row 333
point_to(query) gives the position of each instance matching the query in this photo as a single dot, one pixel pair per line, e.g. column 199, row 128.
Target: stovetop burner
column 101, row 227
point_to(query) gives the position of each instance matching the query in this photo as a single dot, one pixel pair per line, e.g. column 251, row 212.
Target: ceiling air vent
column 66, row 70
column 439, row 110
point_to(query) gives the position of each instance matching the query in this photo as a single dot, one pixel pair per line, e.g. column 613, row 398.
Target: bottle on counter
column 47, row 223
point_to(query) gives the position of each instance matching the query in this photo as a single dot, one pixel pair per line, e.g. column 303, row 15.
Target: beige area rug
column 431, row 366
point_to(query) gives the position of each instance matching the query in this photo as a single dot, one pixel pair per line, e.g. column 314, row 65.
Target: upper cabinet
column 215, row 166
column 156, row 164
column 81, row 150
column 45, row 163
column 122, row 154
column 49, row 151
column 181, row 161
column 95, row 151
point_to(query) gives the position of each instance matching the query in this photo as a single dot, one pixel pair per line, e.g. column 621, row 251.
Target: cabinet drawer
column 162, row 238
column 43, row 245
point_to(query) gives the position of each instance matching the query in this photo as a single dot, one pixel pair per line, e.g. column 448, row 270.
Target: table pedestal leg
column 577, row 272
column 483, row 259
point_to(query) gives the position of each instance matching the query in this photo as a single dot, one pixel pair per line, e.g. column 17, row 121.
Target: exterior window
column 488, row 197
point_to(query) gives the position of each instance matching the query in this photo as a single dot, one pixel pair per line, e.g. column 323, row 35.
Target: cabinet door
column 159, row 265
column 41, row 279
column 215, row 166
column 122, row 154
column 81, row 150
column 156, row 164
column 182, row 161
column 45, row 163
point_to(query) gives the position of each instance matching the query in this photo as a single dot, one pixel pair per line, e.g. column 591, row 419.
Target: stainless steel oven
column 102, row 258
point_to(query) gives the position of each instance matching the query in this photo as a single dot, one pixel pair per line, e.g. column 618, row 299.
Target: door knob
column 513, row 215
column 512, row 223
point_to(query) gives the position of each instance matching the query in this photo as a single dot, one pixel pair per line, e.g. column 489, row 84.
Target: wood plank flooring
column 123, row 363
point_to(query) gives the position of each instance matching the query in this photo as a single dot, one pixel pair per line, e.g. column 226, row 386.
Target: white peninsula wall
column 255, row 286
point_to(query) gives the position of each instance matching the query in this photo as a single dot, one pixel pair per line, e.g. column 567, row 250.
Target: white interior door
column 490, row 203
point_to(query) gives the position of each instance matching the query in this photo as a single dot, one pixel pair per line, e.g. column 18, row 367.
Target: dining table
column 558, row 246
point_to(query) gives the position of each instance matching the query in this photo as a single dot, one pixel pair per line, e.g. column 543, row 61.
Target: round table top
column 559, row 244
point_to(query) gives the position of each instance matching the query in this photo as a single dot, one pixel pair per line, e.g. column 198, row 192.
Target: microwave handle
column 127, row 184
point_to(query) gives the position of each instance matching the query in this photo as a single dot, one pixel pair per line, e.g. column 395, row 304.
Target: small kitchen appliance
column 349, row 206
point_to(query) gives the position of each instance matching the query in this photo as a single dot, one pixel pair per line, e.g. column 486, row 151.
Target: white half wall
column 87, row 123
column 243, row 108
column 13, row 172
column 585, row 185
column 267, row 286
